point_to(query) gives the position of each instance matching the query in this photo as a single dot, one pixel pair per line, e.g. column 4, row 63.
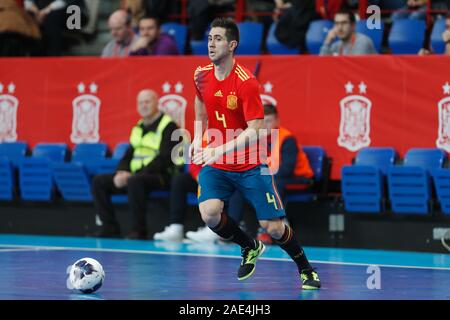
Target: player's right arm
column 201, row 119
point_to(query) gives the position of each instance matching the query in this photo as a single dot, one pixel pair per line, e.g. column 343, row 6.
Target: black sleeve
column 163, row 160
column 124, row 164
column 288, row 155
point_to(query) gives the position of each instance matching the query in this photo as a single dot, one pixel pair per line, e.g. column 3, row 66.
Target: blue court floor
column 34, row 267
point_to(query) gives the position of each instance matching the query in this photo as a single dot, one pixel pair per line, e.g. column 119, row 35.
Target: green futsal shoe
column 249, row 257
column 310, row 279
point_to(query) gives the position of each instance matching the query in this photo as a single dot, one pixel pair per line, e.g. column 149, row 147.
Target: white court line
column 209, row 255
column 22, row 249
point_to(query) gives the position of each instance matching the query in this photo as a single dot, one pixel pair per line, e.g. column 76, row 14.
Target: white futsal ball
column 86, row 275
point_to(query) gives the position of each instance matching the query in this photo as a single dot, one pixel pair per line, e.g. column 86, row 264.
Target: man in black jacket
column 52, row 17
column 294, row 22
column 147, row 165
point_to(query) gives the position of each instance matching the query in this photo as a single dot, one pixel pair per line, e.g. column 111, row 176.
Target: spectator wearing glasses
column 349, row 42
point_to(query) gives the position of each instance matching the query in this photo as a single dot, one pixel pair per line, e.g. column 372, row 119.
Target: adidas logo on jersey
column 218, row 94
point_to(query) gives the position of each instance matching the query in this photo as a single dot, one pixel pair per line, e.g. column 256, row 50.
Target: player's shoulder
column 203, row 69
column 243, row 73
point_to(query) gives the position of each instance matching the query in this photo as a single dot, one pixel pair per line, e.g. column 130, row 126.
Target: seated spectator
column 159, row 8
column 51, row 16
column 137, row 10
column 327, row 9
column 445, row 38
column 19, row 33
column 413, row 9
column 147, row 165
column 293, row 23
column 446, row 34
column 123, row 36
column 141, row 8
column 388, row 4
column 441, row 5
column 350, row 42
column 181, row 185
column 258, row 11
column 202, row 12
column 152, row 41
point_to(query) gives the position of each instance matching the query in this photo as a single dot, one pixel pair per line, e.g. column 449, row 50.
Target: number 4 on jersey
column 221, row 118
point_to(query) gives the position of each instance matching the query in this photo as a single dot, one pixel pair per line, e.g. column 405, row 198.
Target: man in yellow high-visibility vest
column 147, row 165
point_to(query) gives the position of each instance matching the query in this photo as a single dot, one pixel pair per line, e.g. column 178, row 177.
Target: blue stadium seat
column 120, row 150
column 35, row 179
column 92, row 156
column 72, row 181
column 407, row 36
column 320, row 165
column 375, row 34
column 410, row 184
column 437, row 43
column 6, row 179
column 200, row 47
column 379, row 157
column 108, row 165
column 363, row 183
column 316, row 34
column 14, row 151
column 178, row 32
column 276, row 47
column 251, row 37
column 85, row 152
column 55, row 152
column 441, row 178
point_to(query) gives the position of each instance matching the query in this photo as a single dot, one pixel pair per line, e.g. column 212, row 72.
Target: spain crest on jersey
column 232, row 102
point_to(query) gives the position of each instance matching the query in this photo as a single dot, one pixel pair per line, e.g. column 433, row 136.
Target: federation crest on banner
column 354, row 128
column 443, row 140
column 266, row 97
column 174, row 105
column 8, row 114
column 86, row 111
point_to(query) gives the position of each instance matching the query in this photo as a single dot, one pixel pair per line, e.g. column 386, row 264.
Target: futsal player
column 228, row 97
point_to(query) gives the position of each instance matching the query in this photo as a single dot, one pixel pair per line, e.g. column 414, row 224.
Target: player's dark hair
column 231, row 28
column 270, row 109
column 447, row 16
column 349, row 13
column 153, row 17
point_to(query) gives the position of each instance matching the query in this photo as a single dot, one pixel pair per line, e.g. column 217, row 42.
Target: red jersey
column 230, row 103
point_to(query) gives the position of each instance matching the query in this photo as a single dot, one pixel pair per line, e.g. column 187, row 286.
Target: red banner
column 340, row 103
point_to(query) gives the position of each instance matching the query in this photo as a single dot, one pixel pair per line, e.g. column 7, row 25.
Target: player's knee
column 210, row 210
column 274, row 228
